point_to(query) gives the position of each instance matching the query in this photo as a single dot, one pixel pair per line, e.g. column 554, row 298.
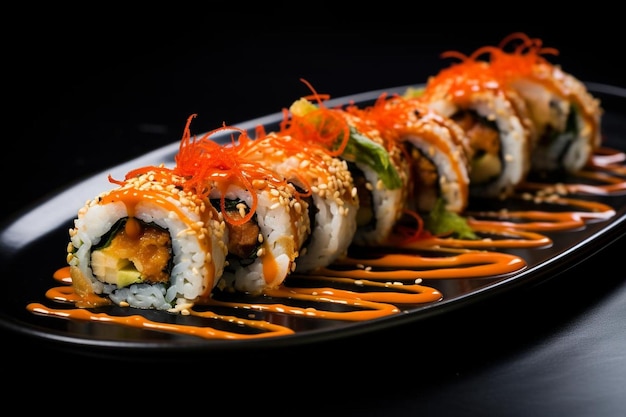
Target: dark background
column 86, row 91
column 91, row 87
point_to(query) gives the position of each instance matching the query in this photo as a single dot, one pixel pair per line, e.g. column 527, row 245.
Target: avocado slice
column 127, row 274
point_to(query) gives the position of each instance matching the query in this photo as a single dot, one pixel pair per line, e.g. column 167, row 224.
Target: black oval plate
column 33, row 244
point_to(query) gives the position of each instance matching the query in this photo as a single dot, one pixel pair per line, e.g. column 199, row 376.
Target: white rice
column 335, row 226
column 550, row 108
column 515, row 142
column 189, row 276
column 451, row 163
column 283, row 228
column 334, row 204
column 387, row 205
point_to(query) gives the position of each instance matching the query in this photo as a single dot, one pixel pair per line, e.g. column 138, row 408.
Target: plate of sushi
column 332, row 217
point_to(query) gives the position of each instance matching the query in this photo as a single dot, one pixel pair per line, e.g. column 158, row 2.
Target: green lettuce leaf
column 443, row 222
column 360, row 149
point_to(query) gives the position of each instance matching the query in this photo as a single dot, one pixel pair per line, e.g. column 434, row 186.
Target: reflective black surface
column 38, row 238
column 552, row 349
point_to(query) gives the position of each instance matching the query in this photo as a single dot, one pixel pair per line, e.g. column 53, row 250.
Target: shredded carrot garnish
column 288, row 147
column 319, row 98
column 323, row 127
column 408, row 234
column 517, row 55
column 206, row 168
column 209, row 166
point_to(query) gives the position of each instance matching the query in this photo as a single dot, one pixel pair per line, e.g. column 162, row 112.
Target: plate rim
column 528, row 277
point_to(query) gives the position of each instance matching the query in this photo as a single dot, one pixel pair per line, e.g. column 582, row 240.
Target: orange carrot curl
column 323, row 126
column 387, row 115
column 516, row 54
column 523, row 59
column 516, row 43
column 527, row 45
column 412, row 233
column 208, row 166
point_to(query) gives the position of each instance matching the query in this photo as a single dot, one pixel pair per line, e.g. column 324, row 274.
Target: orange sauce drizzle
column 507, row 238
column 415, row 267
column 400, row 293
column 388, row 280
column 370, row 309
column 206, row 332
column 607, row 156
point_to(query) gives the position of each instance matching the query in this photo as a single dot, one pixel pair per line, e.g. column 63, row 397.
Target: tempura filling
column 133, row 252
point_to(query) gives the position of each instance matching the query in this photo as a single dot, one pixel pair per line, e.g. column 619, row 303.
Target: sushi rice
column 282, row 221
column 195, row 246
column 326, row 180
column 480, row 103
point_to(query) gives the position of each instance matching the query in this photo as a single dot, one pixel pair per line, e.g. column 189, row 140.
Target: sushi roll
column 437, row 148
column 147, row 244
column 566, row 116
column 265, row 216
column 380, row 169
column 494, row 117
column 327, row 186
column 267, row 225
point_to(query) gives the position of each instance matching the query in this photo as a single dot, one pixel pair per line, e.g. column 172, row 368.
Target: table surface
column 552, row 349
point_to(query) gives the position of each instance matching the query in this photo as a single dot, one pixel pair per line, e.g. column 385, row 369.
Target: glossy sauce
column 378, row 282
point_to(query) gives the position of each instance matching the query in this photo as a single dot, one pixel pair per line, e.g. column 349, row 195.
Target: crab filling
column 484, row 139
column 425, row 177
column 243, row 239
column 133, row 252
column 365, row 215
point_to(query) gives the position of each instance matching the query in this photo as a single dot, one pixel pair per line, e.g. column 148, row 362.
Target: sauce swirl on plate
column 378, row 282
column 502, row 125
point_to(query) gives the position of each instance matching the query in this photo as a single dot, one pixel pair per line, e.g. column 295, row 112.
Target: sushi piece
column 265, row 216
column 494, row 117
column 380, row 169
column 325, row 183
column 566, row 116
column 267, row 225
column 437, row 148
column 147, row 244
